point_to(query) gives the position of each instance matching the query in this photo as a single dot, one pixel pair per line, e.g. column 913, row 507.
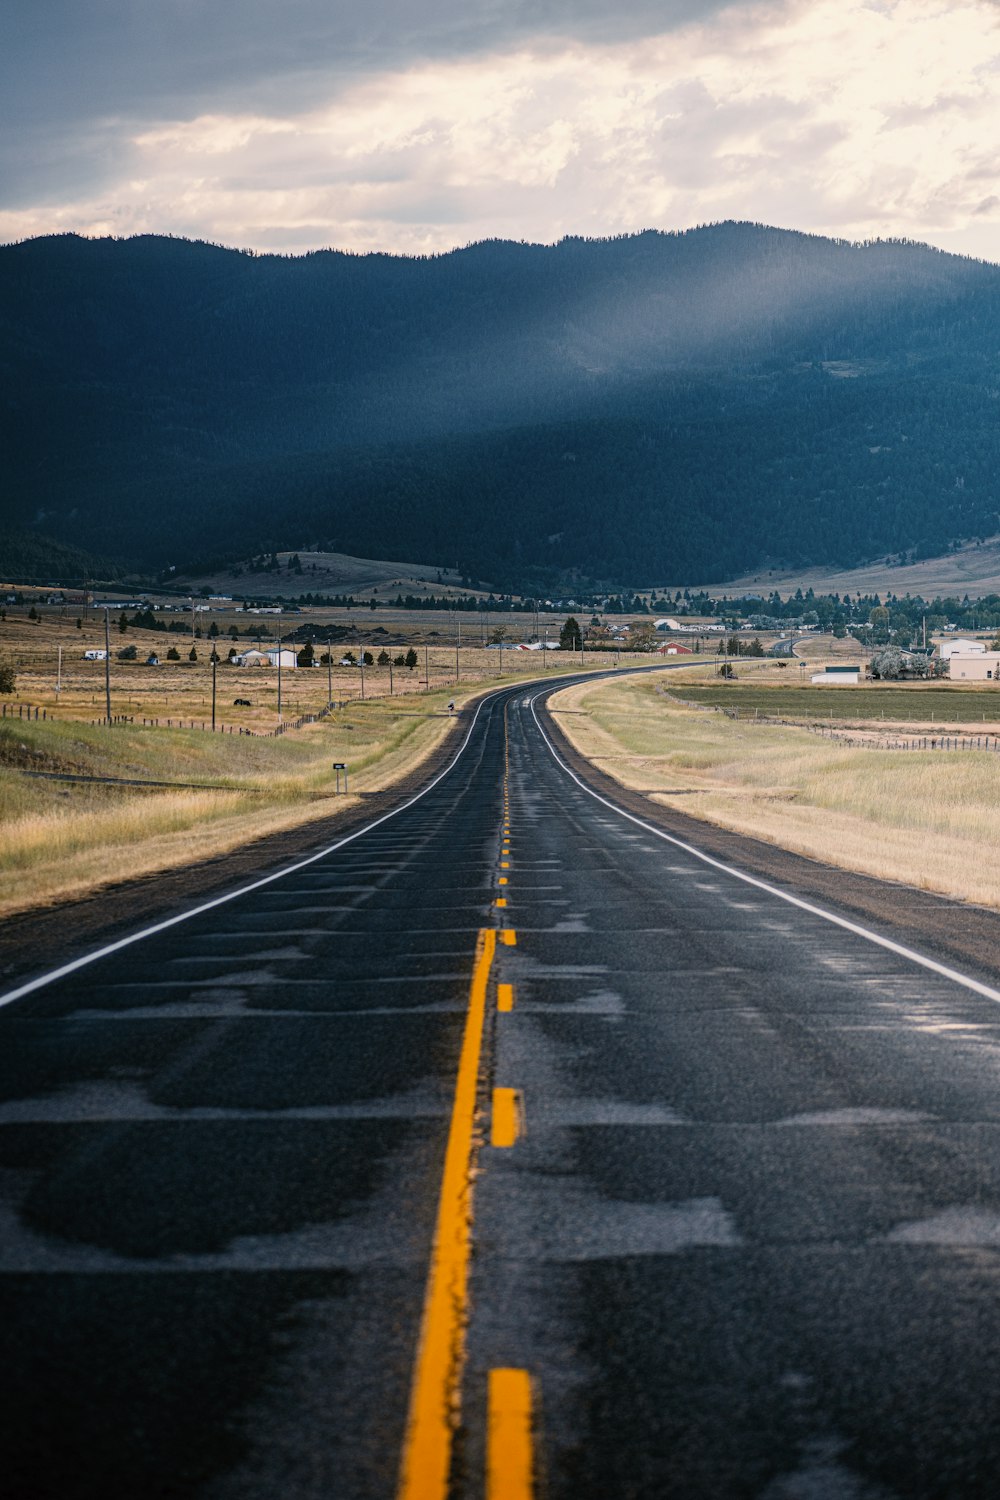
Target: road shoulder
column 944, row 928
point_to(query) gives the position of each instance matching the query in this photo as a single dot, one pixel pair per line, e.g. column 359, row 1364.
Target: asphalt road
column 735, row 1209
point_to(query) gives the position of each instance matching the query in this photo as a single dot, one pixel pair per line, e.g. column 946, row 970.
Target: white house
column 289, row 658
column 250, row 659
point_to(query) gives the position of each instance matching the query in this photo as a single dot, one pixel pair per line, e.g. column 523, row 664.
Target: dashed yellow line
column 505, row 997
column 436, row 1390
column 509, row 1453
column 506, row 1117
column 508, row 937
column 502, row 880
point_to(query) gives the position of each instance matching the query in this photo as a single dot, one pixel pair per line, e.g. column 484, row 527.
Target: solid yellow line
column 506, row 1125
column 509, row 1455
column 437, row 1375
column 508, row 936
column 505, row 997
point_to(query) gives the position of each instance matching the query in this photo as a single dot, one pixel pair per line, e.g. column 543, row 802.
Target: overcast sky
column 418, row 125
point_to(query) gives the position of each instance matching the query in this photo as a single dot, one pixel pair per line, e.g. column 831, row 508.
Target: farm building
column 960, row 647
column 978, row 666
column 674, row 650
column 251, row 659
column 846, row 675
column 288, row 658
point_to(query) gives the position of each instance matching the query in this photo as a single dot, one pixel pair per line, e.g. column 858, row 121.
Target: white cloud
column 842, row 117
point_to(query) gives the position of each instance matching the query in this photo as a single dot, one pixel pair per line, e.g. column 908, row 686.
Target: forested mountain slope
column 650, row 407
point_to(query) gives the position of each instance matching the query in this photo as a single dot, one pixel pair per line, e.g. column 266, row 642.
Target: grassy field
column 928, row 819
column 907, row 703
column 62, row 839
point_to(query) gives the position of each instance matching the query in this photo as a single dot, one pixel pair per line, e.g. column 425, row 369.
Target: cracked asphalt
column 745, row 1242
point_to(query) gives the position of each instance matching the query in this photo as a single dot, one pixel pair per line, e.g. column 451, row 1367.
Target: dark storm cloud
column 76, row 76
column 71, row 59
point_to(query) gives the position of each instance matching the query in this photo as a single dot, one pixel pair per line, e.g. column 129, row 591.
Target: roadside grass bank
column 926, row 819
column 64, row 839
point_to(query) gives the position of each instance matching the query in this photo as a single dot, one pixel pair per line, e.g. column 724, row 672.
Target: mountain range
column 642, row 409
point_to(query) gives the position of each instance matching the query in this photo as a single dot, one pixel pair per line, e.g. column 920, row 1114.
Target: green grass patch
column 914, row 703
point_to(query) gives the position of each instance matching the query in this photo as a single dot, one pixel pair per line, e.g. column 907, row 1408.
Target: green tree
column 570, row 638
column 367, row 658
column 410, row 659
column 213, row 631
column 383, row 658
column 643, row 636
column 192, row 654
column 173, row 654
column 123, row 622
column 128, row 653
column 8, row 677
column 306, row 655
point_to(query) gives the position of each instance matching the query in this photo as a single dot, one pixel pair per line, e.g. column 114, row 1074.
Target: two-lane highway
column 711, row 1179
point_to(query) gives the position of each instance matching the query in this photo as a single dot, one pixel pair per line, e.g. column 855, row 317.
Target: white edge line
column 762, row 885
column 41, row 980
column 144, row 932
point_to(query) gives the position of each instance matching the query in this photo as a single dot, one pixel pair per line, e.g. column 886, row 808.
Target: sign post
column 339, row 766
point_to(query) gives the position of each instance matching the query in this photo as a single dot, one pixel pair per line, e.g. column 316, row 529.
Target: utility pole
column 107, row 665
column 329, row 674
column 59, row 672
column 427, row 667
column 361, row 657
column 390, row 676
column 458, row 649
column 215, row 663
column 279, row 676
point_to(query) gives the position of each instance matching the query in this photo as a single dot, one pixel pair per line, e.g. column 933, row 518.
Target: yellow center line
column 508, row 937
column 507, row 1117
column 503, row 880
column 505, row 864
column 505, row 997
column 509, row 1456
column 500, row 901
column 436, row 1389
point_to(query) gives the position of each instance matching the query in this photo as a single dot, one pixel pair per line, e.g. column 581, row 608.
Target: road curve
column 714, row 1177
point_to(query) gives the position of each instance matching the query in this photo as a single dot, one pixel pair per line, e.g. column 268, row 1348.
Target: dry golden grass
column 927, row 819
column 63, row 839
